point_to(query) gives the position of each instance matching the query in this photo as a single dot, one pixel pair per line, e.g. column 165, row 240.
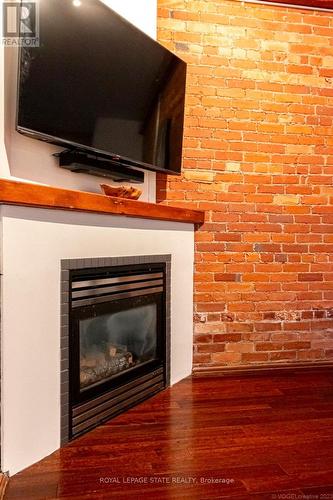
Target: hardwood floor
column 237, row 438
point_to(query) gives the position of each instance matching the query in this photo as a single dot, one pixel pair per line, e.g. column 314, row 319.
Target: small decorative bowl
column 128, row 192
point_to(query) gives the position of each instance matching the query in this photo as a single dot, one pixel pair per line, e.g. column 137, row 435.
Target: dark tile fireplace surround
column 115, row 337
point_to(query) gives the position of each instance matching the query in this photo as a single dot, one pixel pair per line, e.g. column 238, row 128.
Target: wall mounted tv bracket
column 81, row 162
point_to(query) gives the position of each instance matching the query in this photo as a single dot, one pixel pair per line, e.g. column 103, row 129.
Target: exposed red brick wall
column 258, row 157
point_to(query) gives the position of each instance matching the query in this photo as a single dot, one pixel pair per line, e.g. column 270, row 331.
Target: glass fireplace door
column 115, row 341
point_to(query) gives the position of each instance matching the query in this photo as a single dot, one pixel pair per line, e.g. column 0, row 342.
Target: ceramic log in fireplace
column 118, row 338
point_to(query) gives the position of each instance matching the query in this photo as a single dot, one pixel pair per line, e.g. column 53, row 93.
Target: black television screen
column 98, row 84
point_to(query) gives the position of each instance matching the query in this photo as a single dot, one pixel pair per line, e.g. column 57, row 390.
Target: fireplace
column 117, row 337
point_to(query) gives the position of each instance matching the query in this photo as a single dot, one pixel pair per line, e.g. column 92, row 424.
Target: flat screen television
column 98, row 85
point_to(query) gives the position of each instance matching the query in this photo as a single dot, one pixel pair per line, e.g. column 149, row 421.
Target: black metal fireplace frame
column 76, row 395
column 148, row 382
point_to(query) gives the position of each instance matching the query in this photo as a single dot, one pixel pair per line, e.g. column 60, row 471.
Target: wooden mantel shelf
column 34, row 195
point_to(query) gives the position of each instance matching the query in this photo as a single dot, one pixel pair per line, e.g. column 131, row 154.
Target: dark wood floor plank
column 265, row 485
column 257, row 436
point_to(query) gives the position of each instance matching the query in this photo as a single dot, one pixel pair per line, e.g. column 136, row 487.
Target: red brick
column 267, row 326
column 254, row 357
column 227, row 277
column 227, row 337
column 268, row 346
column 282, row 356
column 201, row 358
column 198, row 339
column 209, row 348
column 297, row 345
column 226, row 357
column 310, row 277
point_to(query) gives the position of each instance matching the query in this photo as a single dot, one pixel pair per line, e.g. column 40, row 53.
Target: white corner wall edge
column 33, row 243
column 4, row 166
column 29, row 160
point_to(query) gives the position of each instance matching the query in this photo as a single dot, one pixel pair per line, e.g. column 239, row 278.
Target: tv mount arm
column 79, row 161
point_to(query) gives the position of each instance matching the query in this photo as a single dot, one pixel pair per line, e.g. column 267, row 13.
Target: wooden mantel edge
column 39, row 196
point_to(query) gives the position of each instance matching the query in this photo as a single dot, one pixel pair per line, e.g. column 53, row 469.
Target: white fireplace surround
column 32, row 243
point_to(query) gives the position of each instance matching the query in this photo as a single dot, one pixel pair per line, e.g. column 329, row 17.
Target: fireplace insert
column 117, row 347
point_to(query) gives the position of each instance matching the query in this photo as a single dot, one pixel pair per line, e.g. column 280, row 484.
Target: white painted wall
column 33, row 243
column 141, row 13
column 32, row 160
column 4, row 166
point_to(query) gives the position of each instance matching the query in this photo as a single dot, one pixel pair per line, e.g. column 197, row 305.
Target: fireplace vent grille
column 99, row 410
column 89, row 292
